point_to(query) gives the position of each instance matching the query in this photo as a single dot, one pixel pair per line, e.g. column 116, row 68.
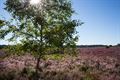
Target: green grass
column 54, row 56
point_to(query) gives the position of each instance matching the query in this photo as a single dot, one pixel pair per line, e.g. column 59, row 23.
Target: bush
column 118, row 45
column 107, row 47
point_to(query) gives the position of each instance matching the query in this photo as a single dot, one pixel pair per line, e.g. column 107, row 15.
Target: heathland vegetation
column 44, row 36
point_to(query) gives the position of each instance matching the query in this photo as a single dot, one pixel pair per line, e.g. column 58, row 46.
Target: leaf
column 2, row 23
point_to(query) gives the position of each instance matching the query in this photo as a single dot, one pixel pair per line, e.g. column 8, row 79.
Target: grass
column 54, row 56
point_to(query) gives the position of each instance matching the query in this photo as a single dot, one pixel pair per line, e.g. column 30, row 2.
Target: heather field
column 59, row 39
column 96, row 63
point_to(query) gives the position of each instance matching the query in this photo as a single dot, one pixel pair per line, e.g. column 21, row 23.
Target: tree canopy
column 52, row 16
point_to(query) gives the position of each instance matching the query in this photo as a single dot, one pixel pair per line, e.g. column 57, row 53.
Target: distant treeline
column 3, row 46
column 78, row 46
column 86, row 46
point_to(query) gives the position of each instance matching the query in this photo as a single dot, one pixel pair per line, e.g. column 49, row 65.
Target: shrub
column 107, row 47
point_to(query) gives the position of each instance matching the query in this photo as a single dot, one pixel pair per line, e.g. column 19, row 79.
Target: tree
column 45, row 24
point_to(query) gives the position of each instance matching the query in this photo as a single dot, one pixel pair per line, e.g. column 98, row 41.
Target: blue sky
column 101, row 17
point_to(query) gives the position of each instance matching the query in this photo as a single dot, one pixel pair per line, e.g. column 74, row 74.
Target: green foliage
column 14, row 50
column 49, row 26
column 2, row 23
column 2, row 46
column 54, row 56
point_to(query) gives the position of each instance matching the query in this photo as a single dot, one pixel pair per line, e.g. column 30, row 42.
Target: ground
column 96, row 63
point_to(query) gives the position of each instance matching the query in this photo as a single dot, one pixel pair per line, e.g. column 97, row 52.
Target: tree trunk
column 40, row 51
column 37, row 65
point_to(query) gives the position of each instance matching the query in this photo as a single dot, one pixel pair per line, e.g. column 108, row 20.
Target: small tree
column 38, row 26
